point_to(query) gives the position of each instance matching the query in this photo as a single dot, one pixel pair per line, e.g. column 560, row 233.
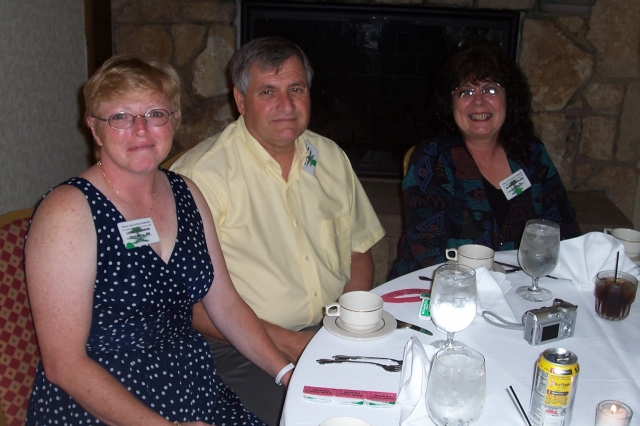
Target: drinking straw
column 519, row 405
column 615, row 272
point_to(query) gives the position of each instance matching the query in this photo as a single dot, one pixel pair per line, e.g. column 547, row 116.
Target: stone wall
column 583, row 67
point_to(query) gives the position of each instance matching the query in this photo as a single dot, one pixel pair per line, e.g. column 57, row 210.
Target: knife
column 508, row 271
column 508, row 265
column 402, row 324
column 518, row 269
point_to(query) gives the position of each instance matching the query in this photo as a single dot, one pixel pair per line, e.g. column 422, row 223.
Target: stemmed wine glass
column 454, row 295
column 538, row 256
column 457, row 387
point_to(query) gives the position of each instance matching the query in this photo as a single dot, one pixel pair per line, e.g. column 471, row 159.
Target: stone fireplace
column 583, row 66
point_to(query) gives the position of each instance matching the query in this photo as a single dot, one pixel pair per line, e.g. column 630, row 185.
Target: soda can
column 554, row 388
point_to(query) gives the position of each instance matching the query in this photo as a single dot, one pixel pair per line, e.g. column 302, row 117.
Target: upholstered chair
column 19, row 354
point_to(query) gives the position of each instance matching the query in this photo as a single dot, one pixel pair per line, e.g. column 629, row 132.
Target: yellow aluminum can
column 554, row 388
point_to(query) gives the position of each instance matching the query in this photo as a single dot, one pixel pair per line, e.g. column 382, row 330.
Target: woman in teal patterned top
column 452, row 190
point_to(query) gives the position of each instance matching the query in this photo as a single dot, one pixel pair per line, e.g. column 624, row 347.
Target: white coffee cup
column 472, row 255
column 630, row 239
column 359, row 311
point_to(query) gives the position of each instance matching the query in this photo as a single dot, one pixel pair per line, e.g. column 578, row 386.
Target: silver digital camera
column 550, row 323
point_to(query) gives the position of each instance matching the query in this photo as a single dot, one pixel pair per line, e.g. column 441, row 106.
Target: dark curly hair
column 482, row 62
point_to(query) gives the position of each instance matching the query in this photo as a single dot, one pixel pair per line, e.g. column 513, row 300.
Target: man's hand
column 290, row 343
column 361, row 272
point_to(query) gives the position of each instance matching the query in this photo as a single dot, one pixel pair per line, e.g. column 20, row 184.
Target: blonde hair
column 122, row 74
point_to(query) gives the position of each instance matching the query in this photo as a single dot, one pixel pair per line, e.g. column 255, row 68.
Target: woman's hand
column 195, row 424
column 227, row 310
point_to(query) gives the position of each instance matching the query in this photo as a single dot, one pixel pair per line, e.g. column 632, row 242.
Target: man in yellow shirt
column 294, row 222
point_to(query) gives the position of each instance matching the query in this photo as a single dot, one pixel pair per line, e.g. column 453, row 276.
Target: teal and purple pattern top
column 448, row 203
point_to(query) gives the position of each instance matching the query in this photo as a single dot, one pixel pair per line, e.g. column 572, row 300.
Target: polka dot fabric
column 141, row 327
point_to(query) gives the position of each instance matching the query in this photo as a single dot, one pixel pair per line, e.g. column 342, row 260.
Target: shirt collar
column 261, row 156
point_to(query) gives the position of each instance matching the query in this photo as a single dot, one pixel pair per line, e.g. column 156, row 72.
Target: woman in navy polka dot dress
column 115, row 260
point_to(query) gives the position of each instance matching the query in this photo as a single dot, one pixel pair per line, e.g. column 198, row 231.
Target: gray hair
column 268, row 53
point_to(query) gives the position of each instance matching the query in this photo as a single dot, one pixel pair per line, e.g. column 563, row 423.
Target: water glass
column 457, row 387
column 538, row 256
column 454, row 295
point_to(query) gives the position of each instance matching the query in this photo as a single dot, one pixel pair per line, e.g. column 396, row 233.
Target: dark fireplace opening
column 374, row 67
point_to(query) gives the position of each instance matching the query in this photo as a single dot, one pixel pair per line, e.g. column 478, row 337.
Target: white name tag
column 310, row 162
column 515, row 184
column 138, row 233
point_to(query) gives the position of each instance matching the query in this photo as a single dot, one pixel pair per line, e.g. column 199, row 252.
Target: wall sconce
column 573, row 7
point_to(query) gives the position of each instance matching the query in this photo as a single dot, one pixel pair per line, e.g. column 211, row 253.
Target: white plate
column 390, row 324
column 494, row 268
column 344, row 421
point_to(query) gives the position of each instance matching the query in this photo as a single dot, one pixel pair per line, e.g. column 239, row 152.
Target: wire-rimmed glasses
column 487, row 91
column 124, row 120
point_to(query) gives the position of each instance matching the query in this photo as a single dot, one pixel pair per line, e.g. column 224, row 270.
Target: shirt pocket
column 335, row 236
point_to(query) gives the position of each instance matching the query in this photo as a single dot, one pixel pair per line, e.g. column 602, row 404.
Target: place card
column 349, row 396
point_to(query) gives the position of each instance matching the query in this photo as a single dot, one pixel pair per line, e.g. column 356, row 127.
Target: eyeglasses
column 124, row 120
column 489, row 91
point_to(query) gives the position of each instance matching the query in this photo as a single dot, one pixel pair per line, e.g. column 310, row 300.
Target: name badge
column 138, row 233
column 515, row 184
column 310, row 162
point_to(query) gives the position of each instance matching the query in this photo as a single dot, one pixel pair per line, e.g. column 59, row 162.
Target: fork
column 392, row 368
column 347, row 358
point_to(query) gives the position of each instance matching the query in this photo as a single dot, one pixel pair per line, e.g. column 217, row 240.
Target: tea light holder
column 613, row 413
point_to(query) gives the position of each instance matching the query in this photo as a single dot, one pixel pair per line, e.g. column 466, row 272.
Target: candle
column 613, row 413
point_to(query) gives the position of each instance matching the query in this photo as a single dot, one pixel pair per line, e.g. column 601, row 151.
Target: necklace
column 137, row 209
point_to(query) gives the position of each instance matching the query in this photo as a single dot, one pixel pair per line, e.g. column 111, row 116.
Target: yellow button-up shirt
column 287, row 244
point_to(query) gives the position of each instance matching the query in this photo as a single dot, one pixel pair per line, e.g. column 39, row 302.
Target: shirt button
column 295, row 222
column 306, row 258
column 315, row 294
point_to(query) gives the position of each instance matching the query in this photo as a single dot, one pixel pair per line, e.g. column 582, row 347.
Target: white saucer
column 389, row 326
column 494, row 268
column 635, row 259
column 342, row 326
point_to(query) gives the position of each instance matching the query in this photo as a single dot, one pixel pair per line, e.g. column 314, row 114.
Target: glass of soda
column 614, row 294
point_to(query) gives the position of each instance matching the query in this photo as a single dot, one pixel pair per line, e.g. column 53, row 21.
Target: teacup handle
column 450, row 257
column 333, row 309
column 607, row 231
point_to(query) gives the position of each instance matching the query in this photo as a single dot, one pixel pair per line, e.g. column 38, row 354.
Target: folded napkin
column 492, row 286
column 413, row 383
column 581, row 259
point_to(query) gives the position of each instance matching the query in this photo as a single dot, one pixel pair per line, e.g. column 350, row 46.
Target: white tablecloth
column 608, row 353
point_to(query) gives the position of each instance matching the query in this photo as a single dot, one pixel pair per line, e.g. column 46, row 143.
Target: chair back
column 19, row 354
column 406, row 159
column 169, row 162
